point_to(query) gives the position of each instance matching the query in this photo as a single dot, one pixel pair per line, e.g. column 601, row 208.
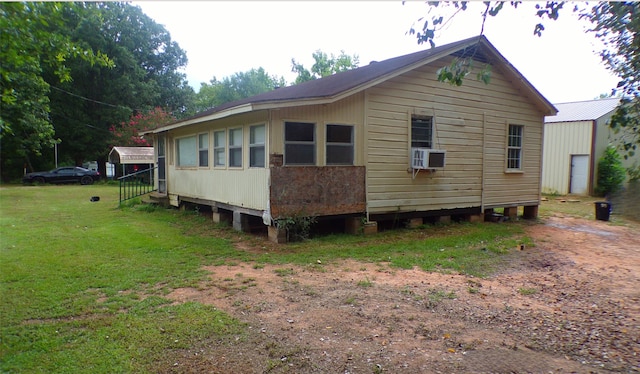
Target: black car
column 69, row 174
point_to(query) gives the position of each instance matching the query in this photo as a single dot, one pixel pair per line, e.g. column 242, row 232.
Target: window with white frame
column 203, row 150
column 421, row 131
column 339, row 149
column 256, row 146
column 219, row 147
column 186, row 151
column 235, row 147
column 514, row 147
column 299, row 143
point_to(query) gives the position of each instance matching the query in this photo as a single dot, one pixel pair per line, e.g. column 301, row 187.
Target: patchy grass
column 284, row 272
column 435, row 296
column 83, row 283
column 365, row 283
column 577, row 206
column 527, row 291
column 475, row 249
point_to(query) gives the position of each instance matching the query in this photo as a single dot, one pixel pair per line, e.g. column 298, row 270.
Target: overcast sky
column 222, row 38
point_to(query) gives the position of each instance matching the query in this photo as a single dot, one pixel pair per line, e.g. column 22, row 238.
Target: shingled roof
column 335, row 87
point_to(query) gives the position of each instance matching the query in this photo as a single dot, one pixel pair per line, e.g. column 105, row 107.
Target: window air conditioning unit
column 426, row 158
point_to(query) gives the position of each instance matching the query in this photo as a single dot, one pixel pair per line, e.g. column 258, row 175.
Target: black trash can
column 603, row 209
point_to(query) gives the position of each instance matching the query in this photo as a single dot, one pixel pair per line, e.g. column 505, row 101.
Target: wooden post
column 488, row 215
column 530, row 212
column 511, row 212
column 353, row 225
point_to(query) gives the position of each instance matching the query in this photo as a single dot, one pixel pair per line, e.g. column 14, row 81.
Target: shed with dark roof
column 386, row 140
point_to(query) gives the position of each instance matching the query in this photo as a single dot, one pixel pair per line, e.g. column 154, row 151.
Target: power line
column 100, row 102
column 92, row 100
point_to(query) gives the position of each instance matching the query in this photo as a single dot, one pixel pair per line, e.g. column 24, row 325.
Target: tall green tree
column 145, row 75
column 324, row 65
column 616, row 24
column 235, row 87
column 32, row 41
column 73, row 94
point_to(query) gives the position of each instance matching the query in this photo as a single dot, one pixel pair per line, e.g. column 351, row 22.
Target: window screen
column 514, row 147
column 186, row 151
column 256, row 146
column 421, row 131
column 203, row 150
column 299, row 143
column 339, row 145
column 219, row 144
column 235, row 147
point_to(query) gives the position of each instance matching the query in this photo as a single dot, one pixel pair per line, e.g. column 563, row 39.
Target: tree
column 617, row 24
column 145, row 75
column 30, row 42
column 324, row 66
column 55, row 88
column 238, row 86
column 127, row 134
column 611, row 173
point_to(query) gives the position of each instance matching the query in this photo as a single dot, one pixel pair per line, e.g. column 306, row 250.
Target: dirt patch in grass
column 571, row 303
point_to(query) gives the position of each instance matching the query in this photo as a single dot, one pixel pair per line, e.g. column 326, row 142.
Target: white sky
column 222, row 38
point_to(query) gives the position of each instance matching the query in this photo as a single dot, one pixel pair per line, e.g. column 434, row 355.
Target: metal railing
column 136, row 184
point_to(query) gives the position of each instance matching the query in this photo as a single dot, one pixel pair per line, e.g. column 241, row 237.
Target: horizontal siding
column 460, row 128
column 348, row 111
column 503, row 188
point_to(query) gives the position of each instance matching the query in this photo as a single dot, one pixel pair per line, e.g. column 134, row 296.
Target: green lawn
column 83, row 283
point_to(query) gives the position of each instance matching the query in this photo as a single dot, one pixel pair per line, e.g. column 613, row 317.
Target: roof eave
column 546, row 107
column 244, row 108
column 351, row 91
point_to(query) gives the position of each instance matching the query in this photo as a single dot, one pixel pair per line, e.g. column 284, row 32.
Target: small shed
column 132, row 159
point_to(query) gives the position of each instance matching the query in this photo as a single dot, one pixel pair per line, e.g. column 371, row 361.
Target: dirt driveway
column 569, row 304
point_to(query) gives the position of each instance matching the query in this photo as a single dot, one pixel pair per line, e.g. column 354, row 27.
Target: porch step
column 156, row 198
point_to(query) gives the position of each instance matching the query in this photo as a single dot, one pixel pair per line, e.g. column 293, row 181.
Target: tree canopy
column 324, row 65
column 235, row 87
column 71, row 70
column 32, row 41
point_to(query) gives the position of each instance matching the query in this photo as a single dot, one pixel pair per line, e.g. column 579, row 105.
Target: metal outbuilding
column 131, row 155
column 574, row 139
column 131, row 158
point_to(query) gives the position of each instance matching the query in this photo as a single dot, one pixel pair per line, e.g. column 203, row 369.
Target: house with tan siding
column 381, row 142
